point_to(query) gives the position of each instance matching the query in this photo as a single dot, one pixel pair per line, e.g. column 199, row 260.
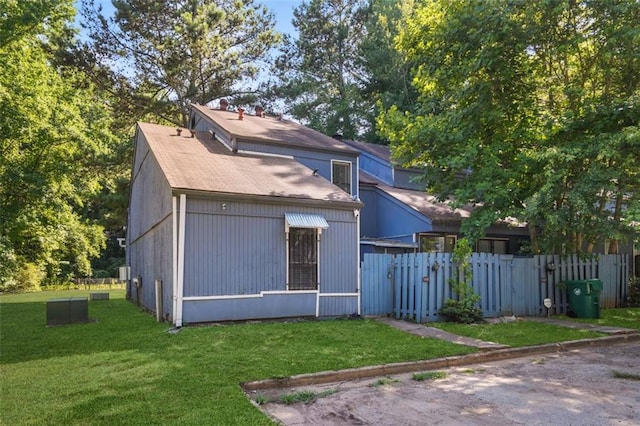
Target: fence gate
column 416, row 285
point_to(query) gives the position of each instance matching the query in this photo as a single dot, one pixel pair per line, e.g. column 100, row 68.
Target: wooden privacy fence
column 416, row 285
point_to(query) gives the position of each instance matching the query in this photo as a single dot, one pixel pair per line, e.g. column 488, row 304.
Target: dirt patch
column 574, row 387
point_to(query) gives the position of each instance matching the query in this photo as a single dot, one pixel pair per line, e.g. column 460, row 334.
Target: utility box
column 71, row 310
column 584, row 298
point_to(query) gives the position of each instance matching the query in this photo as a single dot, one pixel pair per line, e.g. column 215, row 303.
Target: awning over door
column 302, row 220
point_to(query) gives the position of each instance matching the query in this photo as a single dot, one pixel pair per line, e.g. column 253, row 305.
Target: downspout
column 286, row 272
column 318, row 289
column 175, row 258
column 183, row 215
column 357, row 213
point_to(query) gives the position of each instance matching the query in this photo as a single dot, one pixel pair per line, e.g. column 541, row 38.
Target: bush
column 633, row 295
column 464, row 309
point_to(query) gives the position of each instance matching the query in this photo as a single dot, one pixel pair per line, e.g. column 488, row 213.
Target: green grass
column 623, row 375
column 622, row 317
column 126, row 369
column 428, row 375
column 517, row 333
column 305, row 396
column 384, row 381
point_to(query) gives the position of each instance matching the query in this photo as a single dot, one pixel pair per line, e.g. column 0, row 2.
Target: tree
column 160, row 56
column 320, row 75
column 530, row 110
column 387, row 73
column 54, row 132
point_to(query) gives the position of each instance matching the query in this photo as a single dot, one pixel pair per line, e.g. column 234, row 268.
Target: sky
column 282, row 9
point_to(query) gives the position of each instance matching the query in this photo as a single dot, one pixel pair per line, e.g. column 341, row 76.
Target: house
column 243, row 217
column 399, row 216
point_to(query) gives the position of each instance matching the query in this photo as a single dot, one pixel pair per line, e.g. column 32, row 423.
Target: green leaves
column 54, row 133
column 527, row 109
column 320, row 78
column 170, row 54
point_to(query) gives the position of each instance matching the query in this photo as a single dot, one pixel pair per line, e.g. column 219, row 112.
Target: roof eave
column 269, row 199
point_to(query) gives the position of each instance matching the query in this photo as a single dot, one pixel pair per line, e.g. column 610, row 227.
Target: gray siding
column 408, row 179
column 236, row 248
column 150, row 230
column 151, row 259
column 268, row 306
column 339, row 257
column 338, row 306
column 150, row 200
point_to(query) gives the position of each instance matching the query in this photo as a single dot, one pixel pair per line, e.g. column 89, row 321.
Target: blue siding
column 369, row 214
column 377, row 167
column 393, row 219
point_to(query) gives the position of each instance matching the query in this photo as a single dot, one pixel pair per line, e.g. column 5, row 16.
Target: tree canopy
column 54, row 136
column 529, row 110
column 161, row 56
column 320, row 74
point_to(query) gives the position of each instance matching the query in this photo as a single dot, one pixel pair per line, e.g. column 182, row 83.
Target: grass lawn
column 517, row 333
column 126, row 369
column 622, row 317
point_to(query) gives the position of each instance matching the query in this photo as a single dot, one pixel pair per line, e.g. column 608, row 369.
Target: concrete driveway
column 576, row 387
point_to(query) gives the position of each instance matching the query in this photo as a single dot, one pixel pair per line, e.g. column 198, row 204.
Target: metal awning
column 302, row 220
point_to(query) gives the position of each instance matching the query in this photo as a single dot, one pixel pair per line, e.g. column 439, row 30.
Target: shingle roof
column 272, row 130
column 381, row 151
column 203, row 164
column 420, row 201
column 429, row 205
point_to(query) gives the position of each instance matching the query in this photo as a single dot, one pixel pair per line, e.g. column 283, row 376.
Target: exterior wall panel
column 150, row 230
column 267, row 306
column 376, row 167
column 151, row 259
column 390, row 210
column 239, row 248
column 407, row 179
column 336, row 306
column 338, row 258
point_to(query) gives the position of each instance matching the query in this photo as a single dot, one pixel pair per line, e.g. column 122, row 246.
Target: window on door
column 303, row 259
column 495, row 246
column 341, row 175
column 430, row 243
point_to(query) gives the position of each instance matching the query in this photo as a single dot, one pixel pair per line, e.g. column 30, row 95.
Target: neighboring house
column 399, row 216
column 239, row 219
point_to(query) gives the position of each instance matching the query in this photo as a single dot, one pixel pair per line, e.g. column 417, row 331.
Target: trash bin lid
column 595, row 284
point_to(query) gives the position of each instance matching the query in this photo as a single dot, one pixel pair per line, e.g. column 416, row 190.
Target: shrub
column 633, row 295
column 464, row 309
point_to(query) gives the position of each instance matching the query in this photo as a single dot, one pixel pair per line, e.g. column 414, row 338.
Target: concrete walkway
column 425, row 331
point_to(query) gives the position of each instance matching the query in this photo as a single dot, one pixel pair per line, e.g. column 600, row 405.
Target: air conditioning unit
column 72, row 310
column 124, row 273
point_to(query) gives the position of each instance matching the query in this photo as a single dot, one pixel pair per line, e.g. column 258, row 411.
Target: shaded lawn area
column 619, row 317
column 517, row 333
column 126, row 369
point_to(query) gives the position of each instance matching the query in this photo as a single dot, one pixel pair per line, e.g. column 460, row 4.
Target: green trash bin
column 584, row 298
